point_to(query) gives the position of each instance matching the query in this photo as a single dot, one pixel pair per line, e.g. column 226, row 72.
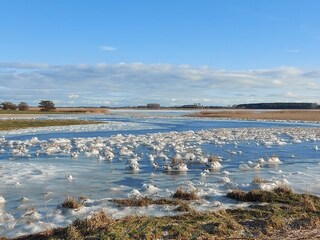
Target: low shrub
column 71, row 203
column 184, row 195
column 237, row 195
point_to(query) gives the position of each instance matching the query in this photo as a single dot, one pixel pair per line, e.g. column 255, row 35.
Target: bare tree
column 22, row 106
column 46, row 105
column 8, row 106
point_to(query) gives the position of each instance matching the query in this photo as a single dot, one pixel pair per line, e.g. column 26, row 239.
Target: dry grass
column 182, row 206
column 308, row 203
column 176, row 161
column 258, row 180
column 184, row 195
column 282, row 195
column 37, row 111
column 276, row 220
column 299, row 115
column 72, row 233
column 71, row 203
column 143, row 201
column 28, row 123
column 73, row 110
column 82, row 110
column 97, row 221
column 237, row 195
column 283, row 190
column 286, row 213
column 213, row 159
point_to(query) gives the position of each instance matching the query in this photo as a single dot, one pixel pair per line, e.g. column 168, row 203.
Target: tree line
column 44, row 105
column 279, row 105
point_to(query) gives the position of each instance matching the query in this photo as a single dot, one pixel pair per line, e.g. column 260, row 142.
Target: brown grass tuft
column 308, row 203
column 184, row 195
column 237, row 195
column 212, row 159
column 176, row 161
column 184, row 207
column 71, row 203
column 72, row 233
column 98, row 220
column 274, row 222
column 258, row 180
column 283, row 190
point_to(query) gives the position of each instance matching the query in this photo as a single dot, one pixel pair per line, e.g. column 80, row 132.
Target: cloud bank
column 135, row 84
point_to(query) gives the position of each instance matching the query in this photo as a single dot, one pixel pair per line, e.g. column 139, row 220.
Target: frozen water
column 127, row 156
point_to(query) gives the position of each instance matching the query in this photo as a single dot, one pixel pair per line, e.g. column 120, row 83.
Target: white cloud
column 138, row 83
column 276, row 82
column 108, row 48
column 290, row 95
column 73, row 96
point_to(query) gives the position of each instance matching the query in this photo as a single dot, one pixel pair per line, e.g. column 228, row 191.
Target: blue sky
column 126, row 52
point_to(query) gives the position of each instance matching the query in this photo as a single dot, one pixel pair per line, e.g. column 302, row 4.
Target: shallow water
column 36, row 164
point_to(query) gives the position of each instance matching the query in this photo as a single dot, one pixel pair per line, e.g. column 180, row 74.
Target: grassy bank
column 298, row 115
column 70, row 110
column 14, row 112
column 285, row 215
column 27, row 123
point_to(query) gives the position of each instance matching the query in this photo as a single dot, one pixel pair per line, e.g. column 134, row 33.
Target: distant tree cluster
column 22, row 106
column 46, row 105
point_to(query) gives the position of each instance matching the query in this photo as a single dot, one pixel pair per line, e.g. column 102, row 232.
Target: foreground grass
column 27, row 123
column 286, row 215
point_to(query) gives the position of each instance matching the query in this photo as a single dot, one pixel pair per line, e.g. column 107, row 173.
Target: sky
column 173, row 52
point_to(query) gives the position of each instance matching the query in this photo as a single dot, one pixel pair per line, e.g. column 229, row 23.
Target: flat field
column 297, row 115
column 13, row 124
column 36, row 110
column 73, row 110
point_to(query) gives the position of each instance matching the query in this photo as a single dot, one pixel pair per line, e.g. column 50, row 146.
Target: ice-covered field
column 131, row 155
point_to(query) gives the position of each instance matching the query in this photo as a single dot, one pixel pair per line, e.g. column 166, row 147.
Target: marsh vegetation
column 283, row 213
column 12, row 124
column 296, row 115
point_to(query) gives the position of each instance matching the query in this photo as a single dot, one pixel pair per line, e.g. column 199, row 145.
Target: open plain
column 286, row 115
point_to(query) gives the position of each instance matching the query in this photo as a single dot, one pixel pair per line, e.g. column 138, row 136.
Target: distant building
column 153, row 105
